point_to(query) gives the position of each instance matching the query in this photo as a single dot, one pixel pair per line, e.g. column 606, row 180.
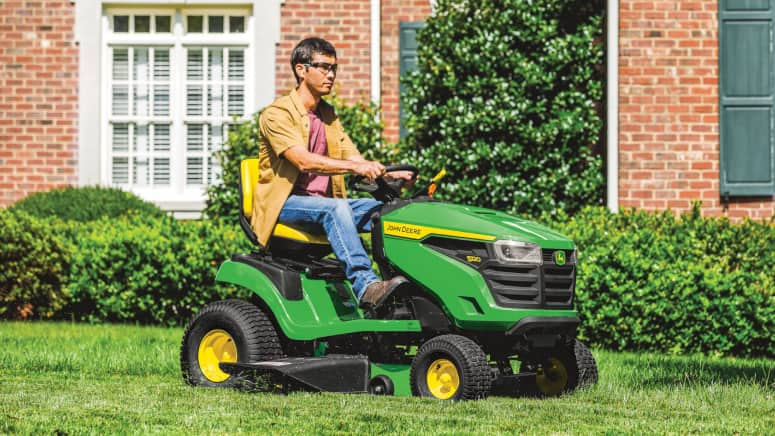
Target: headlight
column 518, row 252
column 573, row 257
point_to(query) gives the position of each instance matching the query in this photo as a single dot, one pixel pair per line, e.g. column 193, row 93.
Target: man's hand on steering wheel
column 387, row 186
column 369, row 170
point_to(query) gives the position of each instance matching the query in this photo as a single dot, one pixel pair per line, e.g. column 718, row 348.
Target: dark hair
column 302, row 53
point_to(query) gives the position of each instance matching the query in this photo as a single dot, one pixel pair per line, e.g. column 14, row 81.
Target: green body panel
column 398, row 374
column 321, row 313
column 477, row 220
column 463, row 291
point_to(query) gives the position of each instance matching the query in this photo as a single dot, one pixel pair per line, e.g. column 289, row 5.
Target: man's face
column 319, row 75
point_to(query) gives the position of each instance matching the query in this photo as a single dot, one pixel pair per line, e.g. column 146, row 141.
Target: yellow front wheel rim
column 553, row 378
column 216, row 346
column 443, row 379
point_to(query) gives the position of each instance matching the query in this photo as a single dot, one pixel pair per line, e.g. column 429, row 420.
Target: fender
column 314, row 315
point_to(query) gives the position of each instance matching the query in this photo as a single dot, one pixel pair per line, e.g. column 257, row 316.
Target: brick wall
column 38, row 100
column 346, row 24
column 669, row 111
column 393, row 12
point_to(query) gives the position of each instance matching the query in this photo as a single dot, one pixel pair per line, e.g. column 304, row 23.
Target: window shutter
column 747, row 102
column 407, row 58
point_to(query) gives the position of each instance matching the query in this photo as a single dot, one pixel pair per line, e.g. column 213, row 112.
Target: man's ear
column 301, row 70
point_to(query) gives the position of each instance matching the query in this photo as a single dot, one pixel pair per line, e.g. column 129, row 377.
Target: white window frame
column 178, row 196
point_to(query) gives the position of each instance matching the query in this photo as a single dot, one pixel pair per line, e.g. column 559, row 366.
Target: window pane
column 142, row 24
column 194, row 65
column 161, row 137
column 161, row 100
column 121, row 137
column 194, row 171
column 121, row 23
column 141, row 64
column 215, row 64
column 236, row 24
column 161, row 171
column 120, row 100
column 120, row 170
column 194, row 23
column 236, row 64
column 141, row 100
column 195, row 137
column 163, row 24
column 141, row 171
column 141, row 144
column 236, row 99
column 215, row 100
column 194, row 100
column 161, row 64
column 215, row 24
column 120, row 64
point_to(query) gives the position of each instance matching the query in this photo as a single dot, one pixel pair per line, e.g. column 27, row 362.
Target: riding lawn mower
column 488, row 307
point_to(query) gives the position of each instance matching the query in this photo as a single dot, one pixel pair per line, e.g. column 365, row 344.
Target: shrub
column 35, row 265
column 85, row 204
column 149, row 270
column 360, row 121
column 505, row 97
column 654, row 282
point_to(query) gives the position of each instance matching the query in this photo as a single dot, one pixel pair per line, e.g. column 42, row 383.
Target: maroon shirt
column 308, row 183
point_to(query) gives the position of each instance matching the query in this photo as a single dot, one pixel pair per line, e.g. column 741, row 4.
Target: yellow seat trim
column 249, row 175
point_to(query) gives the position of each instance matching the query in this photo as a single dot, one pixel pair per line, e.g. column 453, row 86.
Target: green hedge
column 149, row 270
column 85, row 204
column 656, row 282
column 35, row 261
column 645, row 281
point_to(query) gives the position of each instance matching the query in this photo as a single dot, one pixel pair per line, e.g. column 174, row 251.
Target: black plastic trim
column 565, row 325
column 286, row 281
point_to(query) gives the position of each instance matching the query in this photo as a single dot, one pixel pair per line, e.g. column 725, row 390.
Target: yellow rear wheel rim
column 216, row 346
column 443, row 379
column 552, row 378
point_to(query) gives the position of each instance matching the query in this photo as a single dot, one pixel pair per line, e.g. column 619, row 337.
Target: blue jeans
column 341, row 220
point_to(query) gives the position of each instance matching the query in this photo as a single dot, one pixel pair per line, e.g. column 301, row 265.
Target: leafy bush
column 149, row 270
column 360, row 121
column 654, row 282
column 505, row 97
column 85, row 204
column 35, row 265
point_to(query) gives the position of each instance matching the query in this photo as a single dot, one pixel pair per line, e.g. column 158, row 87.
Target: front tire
column 450, row 367
column 560, row 370
column 226, row 331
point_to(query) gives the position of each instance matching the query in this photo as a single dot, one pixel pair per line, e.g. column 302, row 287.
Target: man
column 303, row 154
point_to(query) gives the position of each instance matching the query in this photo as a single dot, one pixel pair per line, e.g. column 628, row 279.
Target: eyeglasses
column 323, row 67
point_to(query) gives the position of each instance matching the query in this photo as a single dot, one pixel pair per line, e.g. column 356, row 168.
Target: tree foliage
column 506, row 98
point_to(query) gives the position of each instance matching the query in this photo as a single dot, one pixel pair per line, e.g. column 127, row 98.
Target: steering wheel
column 381, row 189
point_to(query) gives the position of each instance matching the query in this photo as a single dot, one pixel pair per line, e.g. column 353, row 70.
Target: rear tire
column 450, row 367
column 226, row 331
column 560, row 370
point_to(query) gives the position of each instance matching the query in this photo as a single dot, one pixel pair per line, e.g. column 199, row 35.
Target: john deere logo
column 559, row 257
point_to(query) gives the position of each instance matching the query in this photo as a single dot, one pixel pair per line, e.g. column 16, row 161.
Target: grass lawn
column 74, row 378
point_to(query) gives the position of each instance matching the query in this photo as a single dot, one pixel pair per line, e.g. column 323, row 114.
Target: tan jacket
column 284, row 124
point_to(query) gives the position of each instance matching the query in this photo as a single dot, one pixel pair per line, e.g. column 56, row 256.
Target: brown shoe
column 377, row 292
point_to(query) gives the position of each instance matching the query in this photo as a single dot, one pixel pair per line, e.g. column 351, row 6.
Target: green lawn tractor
column 488, row 308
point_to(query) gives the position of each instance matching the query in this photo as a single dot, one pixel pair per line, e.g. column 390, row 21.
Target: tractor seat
column 283, row 234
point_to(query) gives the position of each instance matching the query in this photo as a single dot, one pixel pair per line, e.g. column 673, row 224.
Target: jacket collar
column 323, row 107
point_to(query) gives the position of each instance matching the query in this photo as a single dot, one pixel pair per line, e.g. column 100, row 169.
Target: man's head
column 313, row 61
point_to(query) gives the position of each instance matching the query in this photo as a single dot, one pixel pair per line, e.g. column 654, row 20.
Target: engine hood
column 419, row 220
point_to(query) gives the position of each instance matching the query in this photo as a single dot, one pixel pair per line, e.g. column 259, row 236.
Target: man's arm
column 309, row 162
